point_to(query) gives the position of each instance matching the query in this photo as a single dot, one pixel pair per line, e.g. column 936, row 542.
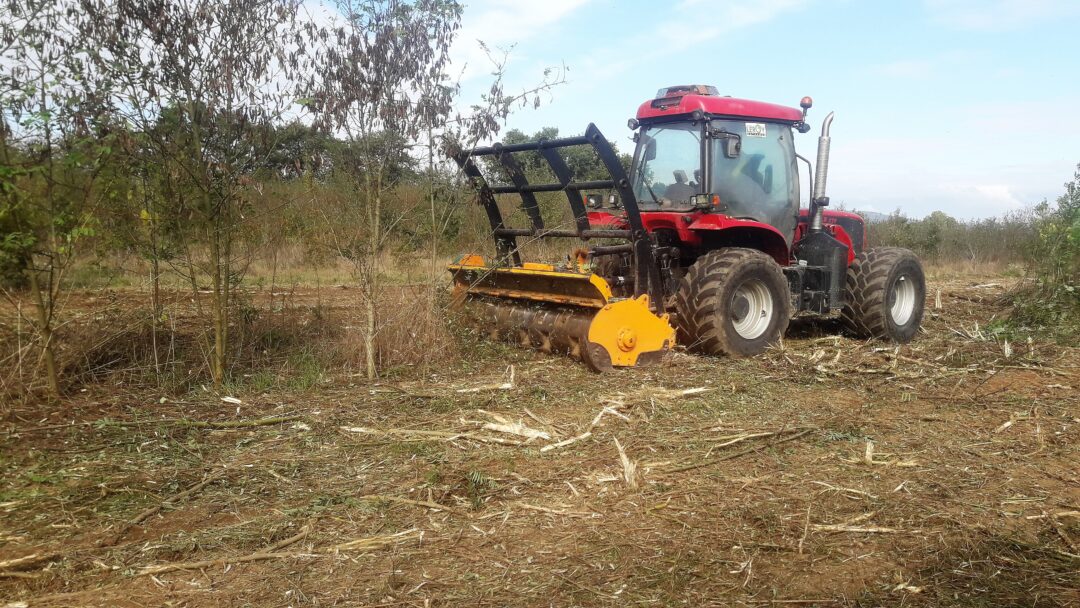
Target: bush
column 943, row 240
column 1052, row 303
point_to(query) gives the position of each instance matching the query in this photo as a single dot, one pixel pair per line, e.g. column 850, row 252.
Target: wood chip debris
column 1013, row 419
column 869, row 458
column 663, row 393
column 843, row 490
column 502, row 424
column 360, row 544
column 25, row 561
column 563, row 511
column 420, row 435
column 566, row 442
column 629, row 467
column 408, row 501
column 502, row 386
column 859, row 529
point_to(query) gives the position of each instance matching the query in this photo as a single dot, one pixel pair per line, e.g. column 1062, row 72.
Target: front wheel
column 886, row 293
column 733, row 301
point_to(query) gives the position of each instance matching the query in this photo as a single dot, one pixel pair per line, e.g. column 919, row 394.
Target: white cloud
column 1000, row 194
column 502, row 21
column 502, row 24
column 723, row 16
column 996, row 15
column 993, row 197
column 320, row 13
column 977, row 176
column 678, row 34
column 740, row 13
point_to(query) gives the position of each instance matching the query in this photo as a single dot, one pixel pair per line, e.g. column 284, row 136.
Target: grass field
column 828, row 472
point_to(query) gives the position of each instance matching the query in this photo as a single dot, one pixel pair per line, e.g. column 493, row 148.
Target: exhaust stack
column 819, row 201
column 826, row 257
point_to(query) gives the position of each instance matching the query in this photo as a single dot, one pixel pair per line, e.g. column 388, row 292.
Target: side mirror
column 732, row 147
column 732, row 142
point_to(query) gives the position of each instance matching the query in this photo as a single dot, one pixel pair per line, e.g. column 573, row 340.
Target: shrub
column 1052, row 303
column 943, row 240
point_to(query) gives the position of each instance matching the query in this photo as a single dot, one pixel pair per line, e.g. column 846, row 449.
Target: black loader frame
column 646, row 272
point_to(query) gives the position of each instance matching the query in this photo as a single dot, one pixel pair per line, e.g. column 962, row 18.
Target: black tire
column 716, row 287
column 879, row 305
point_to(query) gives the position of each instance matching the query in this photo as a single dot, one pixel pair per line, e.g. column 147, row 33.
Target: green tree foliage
column 202, row 81
column 378, row 81
column 55, row 135
column 1053, row 305
column 1059, row 237
column 942, row 239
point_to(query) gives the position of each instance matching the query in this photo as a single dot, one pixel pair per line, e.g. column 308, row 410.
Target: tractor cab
column 697, row 151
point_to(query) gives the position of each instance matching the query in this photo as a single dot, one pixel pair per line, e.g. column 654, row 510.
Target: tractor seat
column 752, row 169
column 680, row 191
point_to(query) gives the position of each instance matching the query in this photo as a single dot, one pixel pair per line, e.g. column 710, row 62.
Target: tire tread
column 865, row 313
column 697, row 299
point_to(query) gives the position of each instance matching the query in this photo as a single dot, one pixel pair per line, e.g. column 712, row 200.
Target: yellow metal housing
column 628, row 329
column 536, row 282
column 561, row 311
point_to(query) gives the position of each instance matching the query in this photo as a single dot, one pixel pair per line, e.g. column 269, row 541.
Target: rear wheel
column 733, row 301
column 886, row 293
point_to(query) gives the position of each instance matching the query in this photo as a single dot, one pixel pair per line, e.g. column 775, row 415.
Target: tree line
column 159, row 126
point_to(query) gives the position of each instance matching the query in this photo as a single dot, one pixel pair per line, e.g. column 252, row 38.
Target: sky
column 963, row 106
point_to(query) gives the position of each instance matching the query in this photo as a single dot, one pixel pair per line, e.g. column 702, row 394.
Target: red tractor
column 706, row 227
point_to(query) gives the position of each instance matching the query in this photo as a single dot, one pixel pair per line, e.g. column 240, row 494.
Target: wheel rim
column 903, row 300
column 752, row 309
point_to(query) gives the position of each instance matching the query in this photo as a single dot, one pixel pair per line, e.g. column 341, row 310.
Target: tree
column 378, row 82
column 54, row 142
column 1059, row 239
column 204, row 80
column 1052, row 304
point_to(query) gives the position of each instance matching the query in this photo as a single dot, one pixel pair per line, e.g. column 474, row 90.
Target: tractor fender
column 841, row 235
column 708, row 231
column 603, row 220
column 715, row 231
column 851, row 224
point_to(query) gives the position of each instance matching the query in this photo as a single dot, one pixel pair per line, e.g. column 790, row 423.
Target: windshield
column 667, row 169
column 760, row 182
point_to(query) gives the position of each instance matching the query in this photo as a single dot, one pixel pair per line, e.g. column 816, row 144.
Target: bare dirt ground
column 829, row 472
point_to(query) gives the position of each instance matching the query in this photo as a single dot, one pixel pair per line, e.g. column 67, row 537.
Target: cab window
column 759, row 182
column 668, row 166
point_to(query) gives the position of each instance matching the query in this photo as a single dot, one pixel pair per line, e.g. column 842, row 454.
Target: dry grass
column 294, row 336
column 829, row 472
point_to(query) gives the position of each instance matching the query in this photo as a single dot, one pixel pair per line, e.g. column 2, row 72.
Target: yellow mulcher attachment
column 569, row 310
